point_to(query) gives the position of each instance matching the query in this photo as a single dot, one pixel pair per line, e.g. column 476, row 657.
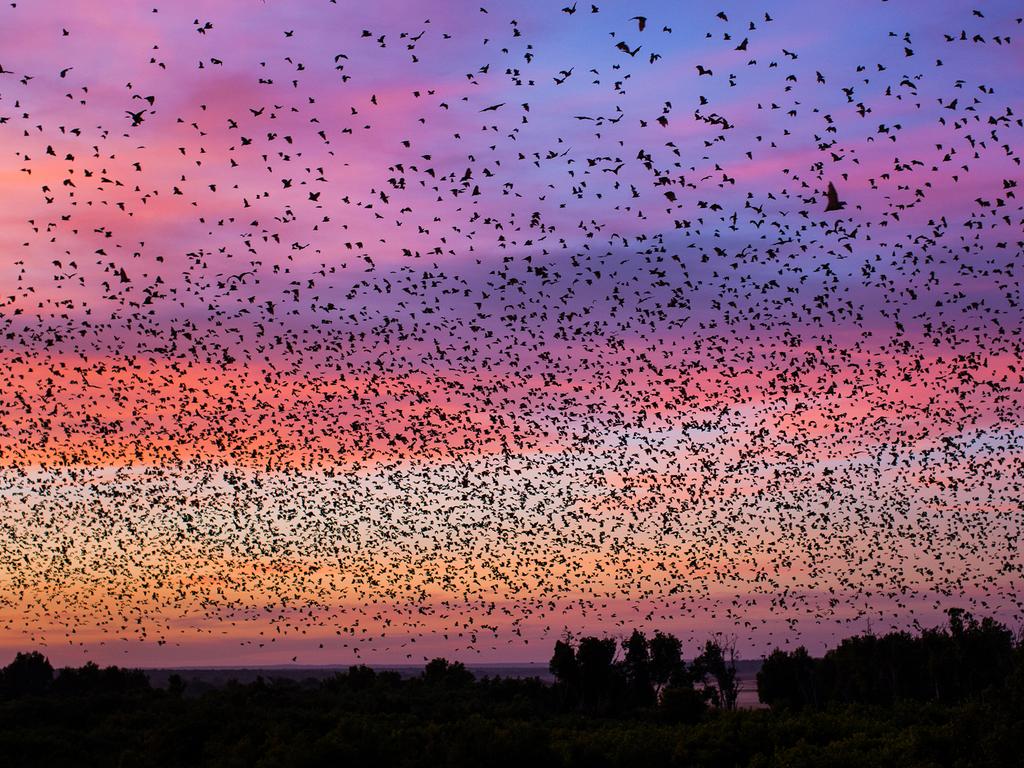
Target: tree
column 440, row 671
column 636, row 665
column 587, row 673
column 718, row 662
column 563, row 663
column 30, row 674
column 92, row 680
column 564, row 667
column 677, row 698
column 666, row 665
column 596, row 659
column 176, row 686
column 787, row 680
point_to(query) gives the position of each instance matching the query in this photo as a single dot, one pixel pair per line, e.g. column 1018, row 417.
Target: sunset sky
column 318, row 358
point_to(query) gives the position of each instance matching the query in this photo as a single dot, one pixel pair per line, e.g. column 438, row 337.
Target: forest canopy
column 946, row 696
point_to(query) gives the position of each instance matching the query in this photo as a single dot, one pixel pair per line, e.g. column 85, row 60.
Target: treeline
column 966, row 660
column 594, row 677
column 603, row 676
column 31, row 674
column 945, row 697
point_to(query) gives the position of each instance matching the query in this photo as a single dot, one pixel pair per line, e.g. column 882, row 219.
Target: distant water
column 200, row 679
column 746, row 673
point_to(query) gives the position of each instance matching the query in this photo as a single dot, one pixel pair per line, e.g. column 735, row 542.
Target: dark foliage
column 952, row 697
column 966, row 661
column 29, row 674
column 595, row 679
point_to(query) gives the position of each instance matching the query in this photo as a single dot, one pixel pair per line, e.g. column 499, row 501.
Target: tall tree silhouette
column 636, row 664
column 716, row 667
column 599, row 675
column 667, row 666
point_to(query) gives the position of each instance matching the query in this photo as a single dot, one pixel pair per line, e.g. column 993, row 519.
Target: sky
column 338, row 332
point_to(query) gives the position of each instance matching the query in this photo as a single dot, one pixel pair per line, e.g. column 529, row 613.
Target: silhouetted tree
column 176, row 686
column 787, row 680
column 563, row 663
column 717, row 663
column 566, row 669
column 984, row 651
column 29, row 674
column 598, row 673
column 967, row 659
column 667, row 666
column 636, row 665
column 588, row 675
column 449, row 674
column 92, row 680
column 677, row 698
